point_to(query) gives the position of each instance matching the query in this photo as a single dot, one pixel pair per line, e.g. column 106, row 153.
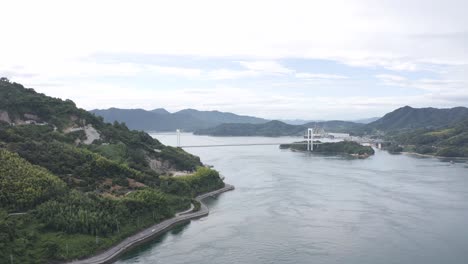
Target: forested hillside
column 71, row 184
column 269, row 129
column 407, row 118
column 450, row 141
column 23, row 185
column 276, row 128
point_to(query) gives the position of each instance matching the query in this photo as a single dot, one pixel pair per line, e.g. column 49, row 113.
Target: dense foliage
column 93, row 214
column 23, row 186
column 17, row 101
column 346, row 147
column 203, row 180
column 451, row 141
column 342, row 147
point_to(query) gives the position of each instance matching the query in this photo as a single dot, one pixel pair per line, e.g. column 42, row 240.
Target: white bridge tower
column 178, row 137
column 310, row 139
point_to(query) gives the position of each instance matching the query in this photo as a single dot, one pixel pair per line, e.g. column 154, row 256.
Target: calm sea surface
column 293, row 207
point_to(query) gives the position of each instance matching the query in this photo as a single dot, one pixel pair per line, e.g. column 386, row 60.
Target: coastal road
column 112, row 253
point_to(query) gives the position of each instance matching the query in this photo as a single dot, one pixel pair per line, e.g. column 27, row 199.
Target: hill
column 144, row 120
column 73, row 177
column 408, row 118
column 161, row 120
column 402, row 120
column 42, row 185
column 275, row 129
column 160, row 111
column 450, row 141
column 220, row 117
column 269, row 129
column 335, row 126
column 366, row 120
column 295, row 121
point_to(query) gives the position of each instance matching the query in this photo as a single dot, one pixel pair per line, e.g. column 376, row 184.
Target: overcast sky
column 274, row 59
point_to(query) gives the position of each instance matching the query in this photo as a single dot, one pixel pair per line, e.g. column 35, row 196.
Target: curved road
column 111, row 254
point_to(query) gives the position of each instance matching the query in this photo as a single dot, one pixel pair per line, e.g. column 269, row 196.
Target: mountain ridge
column 408, row 118
column 275, row 128
column 161, row 120
column 404, row 118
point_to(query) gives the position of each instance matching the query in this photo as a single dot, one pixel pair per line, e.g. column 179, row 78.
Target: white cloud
column 305, row 75
column 266, row 67
column 33, row 74
column 85, row 69
column 377, row 32
column 394, row 64
column 391, row 77
column 430, row 85
column 50, row 43
column 222, row 74
column 177, row 71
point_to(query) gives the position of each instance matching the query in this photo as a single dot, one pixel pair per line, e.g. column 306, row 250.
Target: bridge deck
column 246, row 144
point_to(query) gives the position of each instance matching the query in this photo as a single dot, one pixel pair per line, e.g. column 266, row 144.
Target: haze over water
column 294, row 207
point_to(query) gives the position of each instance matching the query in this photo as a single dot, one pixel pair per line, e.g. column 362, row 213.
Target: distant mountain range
column 303, row 122
column 366, row 120
column 276, row 128
column 402, row 119
column 162, row 120
column 228, row 124
column 335, row 126
column 270, row 129
column 407, row 118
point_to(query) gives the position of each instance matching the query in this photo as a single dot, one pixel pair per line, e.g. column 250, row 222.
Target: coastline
column 432, row 156
column 357, row 156
column 110, row 255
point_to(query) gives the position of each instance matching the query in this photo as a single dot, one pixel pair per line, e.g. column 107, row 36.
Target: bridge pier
column 310, row 139
column 309, row 142
column 178, row 137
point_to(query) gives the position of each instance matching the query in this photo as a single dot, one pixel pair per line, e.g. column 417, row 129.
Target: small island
column 343, row 147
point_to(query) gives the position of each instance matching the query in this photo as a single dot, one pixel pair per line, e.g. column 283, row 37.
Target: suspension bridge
column 246, row 144
column 309, row 136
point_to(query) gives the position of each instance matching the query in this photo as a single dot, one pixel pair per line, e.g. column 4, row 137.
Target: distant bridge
column 311, row 133
column 309, row 142
column 245, row 144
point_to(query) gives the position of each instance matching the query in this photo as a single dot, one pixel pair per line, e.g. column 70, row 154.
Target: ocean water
column 295, row 207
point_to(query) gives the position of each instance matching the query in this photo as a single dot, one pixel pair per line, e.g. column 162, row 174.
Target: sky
column 274, row 59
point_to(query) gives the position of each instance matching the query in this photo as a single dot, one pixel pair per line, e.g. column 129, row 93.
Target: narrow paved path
column 13, row 214
column 186, row 211
column 111, row 254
